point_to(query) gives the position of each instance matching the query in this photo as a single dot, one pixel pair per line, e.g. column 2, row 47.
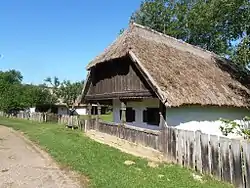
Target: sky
column 45, row 38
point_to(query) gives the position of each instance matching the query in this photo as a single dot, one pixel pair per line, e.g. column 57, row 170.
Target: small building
column 161, row 81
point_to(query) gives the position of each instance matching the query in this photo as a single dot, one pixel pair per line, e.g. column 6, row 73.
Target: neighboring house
column 163, row 81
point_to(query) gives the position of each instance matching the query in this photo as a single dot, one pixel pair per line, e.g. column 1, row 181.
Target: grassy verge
column 102, row 165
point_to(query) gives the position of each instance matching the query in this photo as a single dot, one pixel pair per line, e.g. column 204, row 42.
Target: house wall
column 116, row 79
column 81, row 111
column 201, row 118
column 62, row 110
column 139, row 107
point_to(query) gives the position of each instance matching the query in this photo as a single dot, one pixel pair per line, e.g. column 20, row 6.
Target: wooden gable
column 114, row 79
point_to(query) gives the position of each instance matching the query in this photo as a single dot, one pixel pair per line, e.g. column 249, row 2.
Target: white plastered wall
column 139, row 107
column 206, row 119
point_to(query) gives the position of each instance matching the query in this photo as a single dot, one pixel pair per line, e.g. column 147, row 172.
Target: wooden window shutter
column 145, row 116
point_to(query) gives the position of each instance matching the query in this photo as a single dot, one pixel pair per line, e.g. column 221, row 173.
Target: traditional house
column 155, row 80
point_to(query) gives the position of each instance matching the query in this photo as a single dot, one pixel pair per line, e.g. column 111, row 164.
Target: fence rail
column 226, row 159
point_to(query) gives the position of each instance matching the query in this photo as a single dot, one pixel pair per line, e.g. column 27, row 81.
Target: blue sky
column 58, row 38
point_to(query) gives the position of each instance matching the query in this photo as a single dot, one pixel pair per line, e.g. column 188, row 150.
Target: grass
column 105, row 117
column 102, row 165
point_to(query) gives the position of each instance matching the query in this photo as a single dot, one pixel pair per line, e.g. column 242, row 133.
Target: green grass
column 102, row 165
column 105, row 117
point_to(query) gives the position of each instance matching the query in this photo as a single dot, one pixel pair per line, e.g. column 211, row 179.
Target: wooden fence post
column 246, row 157
column 198, row 151
column 224, row 158
column 236, row 164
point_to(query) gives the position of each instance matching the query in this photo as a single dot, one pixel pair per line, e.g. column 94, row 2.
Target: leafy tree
column 16, row 96
column 69, row 92
column 65, row 91
column 242, row 53
column 212, row 24
column 11, row 77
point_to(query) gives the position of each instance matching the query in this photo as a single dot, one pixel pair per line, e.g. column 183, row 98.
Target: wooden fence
column 137, row 135
column 69, row 120
column 225, row 159
column 73, row 121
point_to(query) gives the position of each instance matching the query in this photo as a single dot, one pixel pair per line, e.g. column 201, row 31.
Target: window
column 130, row 114
column 151, row 116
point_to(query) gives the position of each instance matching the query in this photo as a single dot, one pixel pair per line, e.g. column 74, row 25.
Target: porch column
column 89, row 110
column 99, row 108
column 162, row 114
column 123, row 114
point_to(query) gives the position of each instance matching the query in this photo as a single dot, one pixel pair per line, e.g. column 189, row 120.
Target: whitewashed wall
column 139, row 107
column 81, row 111
column 32, row 110
column 201, row 118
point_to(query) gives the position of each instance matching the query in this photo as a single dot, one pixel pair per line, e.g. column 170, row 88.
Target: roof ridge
column 173, row 38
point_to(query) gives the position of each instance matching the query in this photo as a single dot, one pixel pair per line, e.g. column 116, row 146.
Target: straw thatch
column 182, row 73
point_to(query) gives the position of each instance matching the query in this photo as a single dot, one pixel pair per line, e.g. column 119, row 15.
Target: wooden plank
column 246, row 155
column 190, row 135
column 185, row 150
column 236, row 163
column 198, row 151
column 165, row 142
column 180, row 146
column 215, row 163
column 173, row 145
column 169, row 139
column 224, row 158
column 204, row 153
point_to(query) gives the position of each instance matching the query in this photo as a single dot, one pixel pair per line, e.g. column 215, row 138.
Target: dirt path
column 23, row 165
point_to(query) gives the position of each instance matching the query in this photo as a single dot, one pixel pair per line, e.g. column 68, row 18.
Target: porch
column 147, row 113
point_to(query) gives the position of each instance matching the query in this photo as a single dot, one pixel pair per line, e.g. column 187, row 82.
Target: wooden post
column 99, row 108
column 123, row 115
column 162, row 114
column 89, row 115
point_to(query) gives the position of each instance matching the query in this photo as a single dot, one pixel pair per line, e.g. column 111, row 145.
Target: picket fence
column 72, row 121
column 225, row 159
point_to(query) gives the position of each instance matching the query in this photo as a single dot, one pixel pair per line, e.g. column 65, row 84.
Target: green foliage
column 212, row 24
column 69, row 92
column 241, row 129
column 103, row 165
column 65, row 91
column 17, row 96
column 242, row 53
column 11, row 77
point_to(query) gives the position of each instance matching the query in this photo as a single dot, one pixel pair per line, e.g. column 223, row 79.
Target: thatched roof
column 181, row 73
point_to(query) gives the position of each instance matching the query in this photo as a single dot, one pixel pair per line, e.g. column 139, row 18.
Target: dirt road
column 23, row 165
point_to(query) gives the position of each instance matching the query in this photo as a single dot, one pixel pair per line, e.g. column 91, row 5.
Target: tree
column 66, row 91
column 212, row 25
column 242, row 53
column 17, row 96
column 69, row 92
column 11, row 77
